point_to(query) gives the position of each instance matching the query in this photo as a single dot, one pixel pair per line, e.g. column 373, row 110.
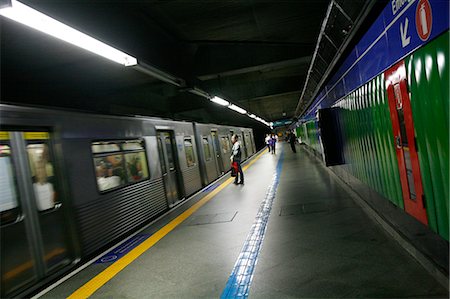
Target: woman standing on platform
column 236, row 157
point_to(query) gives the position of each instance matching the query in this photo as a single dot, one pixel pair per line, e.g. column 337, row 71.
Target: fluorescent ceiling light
column 237, row 109
column 220, row 101
column 39, row 21
column 223, row 102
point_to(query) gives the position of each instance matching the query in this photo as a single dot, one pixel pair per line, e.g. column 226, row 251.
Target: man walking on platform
column 272, row 143
column 292, row 141
column 236, row 157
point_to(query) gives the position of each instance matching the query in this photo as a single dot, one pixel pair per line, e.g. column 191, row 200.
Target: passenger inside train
column 43, row 190
column 105, row 178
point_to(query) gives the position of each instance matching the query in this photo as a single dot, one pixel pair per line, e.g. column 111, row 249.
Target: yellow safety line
column 103, row 277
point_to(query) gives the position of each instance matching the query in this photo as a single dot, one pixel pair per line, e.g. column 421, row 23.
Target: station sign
column 412, row 24
column 283, row 122
column 402, row 27
column 424, row 19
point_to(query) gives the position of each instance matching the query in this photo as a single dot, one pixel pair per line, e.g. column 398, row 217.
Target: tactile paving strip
column 238, row 285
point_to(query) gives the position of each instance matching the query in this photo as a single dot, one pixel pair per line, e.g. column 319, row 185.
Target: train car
column 72, row 183
column 215, row 148
column 393, row 113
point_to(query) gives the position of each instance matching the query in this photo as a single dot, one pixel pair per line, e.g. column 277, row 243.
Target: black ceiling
column 254, row 53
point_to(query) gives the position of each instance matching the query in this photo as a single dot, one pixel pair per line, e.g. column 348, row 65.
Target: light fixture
column 237, row 109
column 219, row 101
column 199, row 92
column 39, row 21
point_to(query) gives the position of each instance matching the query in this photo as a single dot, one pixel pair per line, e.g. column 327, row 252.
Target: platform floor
column 318, row 244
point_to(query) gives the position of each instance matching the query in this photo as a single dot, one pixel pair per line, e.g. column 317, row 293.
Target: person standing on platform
column 236, row 157
column 272, row 142
column 292, row 141
column 267, row 140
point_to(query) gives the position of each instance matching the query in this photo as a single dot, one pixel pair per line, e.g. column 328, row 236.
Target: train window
column 136, row 166
column 225, row 144
column 189, row 150
column 161, row 156
column 169, row 151
column 119, row 163
column 133, row 145
column 206, row 148
column 8, row 190
column 135, row 161
column 109, row 171
column 42, row 170
column 104, row 147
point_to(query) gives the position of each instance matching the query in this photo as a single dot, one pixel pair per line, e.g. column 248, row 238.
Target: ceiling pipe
column 356, row 25
column 158, row 74
column 316, row 51
column 199, row 92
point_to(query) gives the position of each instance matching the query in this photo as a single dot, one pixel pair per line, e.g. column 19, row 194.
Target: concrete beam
column 228, row 59
column 268, row 67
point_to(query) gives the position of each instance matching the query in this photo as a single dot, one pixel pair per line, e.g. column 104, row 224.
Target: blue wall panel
column 390, row 38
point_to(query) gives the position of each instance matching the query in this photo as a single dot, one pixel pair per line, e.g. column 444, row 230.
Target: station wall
column 369, row 144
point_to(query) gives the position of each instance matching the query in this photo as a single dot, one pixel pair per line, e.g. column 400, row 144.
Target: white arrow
column 403, row 32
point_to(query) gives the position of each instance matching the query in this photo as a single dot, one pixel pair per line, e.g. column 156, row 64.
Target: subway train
column 72, row 183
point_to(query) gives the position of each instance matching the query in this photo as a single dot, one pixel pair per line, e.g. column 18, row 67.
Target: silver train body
column 72, row 183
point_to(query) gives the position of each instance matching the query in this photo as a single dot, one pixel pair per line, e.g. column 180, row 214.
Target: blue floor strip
column 238, row 285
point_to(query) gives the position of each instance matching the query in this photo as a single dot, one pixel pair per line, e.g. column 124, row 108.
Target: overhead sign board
column 280, row 123
column 402, row 27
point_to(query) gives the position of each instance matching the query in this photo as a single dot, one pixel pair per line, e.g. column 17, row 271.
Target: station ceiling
column 254, row 53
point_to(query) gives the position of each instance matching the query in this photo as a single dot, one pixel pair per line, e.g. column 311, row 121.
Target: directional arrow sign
column 404, row 32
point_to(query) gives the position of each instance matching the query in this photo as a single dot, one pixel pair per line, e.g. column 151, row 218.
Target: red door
column 404, row 139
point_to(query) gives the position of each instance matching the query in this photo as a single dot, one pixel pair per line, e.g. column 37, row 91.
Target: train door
column 33, row 228
column 167, row 153
column 217, row 154
column 252, row 139
column 248, row 145
column 243, row 146
column 404, row 140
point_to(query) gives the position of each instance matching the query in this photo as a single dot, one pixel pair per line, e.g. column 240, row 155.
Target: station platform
column 290, row 232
